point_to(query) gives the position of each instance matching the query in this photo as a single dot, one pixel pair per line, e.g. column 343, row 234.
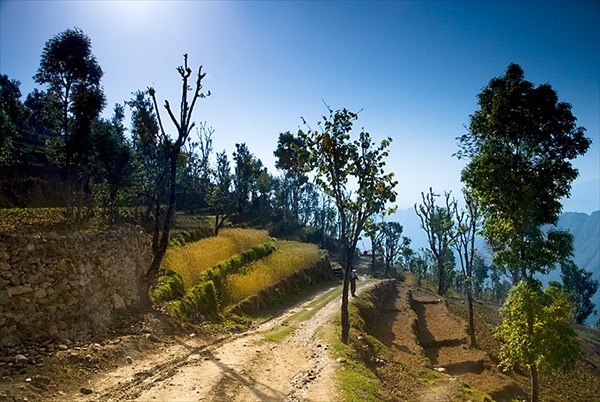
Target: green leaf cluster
column 536, row 329
column 520, row 145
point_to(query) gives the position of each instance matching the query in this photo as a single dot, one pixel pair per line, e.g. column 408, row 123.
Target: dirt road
column 282, row 359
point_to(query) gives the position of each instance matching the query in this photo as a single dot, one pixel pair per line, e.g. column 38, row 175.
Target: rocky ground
column 157, row 361
column 151, row 358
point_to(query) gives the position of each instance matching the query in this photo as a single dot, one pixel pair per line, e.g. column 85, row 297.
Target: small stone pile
column 68, row 286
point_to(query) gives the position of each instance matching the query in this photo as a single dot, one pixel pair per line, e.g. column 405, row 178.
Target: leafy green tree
column 480, row 274
column 292, row 158
column 536, row 331
column 581, row 287
column 438, row 223
column 171, row 148
column 520, row 144
column 73, row 75
column 500, row 287
column 43, row 121
column 151, row 168
column 247, row 171
column 392, row 243
column 221, row 196
column 467, row 226
column 13, row 115
column 194, row 170
column 113, row 163
column 337, row 160
column 374, row 233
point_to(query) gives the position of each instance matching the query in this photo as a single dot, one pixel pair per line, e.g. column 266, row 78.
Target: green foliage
column 581, row 287
column 338, row 160
column 183, row 237
column 169, row 286
column 221, row 197
column 199, row 303
column 520, row 144
column 12, row 117
column 536, row 330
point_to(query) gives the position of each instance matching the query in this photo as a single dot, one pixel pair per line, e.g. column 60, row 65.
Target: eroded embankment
column 444, row 339
column 426, row 354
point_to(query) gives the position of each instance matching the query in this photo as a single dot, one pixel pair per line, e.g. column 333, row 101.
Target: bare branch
column 152, row 93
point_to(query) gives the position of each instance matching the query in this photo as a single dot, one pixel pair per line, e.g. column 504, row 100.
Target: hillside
column 407, row 344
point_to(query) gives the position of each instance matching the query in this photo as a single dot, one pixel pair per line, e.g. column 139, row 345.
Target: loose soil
column 152, row 358
column 191, row 367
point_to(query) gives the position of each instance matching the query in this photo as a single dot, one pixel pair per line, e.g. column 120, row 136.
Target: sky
column 412, row 68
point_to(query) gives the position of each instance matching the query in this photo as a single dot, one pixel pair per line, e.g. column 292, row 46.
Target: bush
column 169, row 286
column 199, row 304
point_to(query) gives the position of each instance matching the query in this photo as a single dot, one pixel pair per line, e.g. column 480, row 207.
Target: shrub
column 169, row 286
column 198, row 304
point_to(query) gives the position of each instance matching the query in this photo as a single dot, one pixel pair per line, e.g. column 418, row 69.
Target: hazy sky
column 413, row 67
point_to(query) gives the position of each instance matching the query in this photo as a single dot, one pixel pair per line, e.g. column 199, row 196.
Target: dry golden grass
column 193, row 258
column 289, row 257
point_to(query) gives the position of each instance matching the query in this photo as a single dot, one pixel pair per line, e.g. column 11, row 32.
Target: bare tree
column 437, row 222
column 171, row 149
column 468, row 221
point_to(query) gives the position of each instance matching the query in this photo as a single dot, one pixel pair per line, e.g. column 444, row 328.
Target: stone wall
column 68, row 286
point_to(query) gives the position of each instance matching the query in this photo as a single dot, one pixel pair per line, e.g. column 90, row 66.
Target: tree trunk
column 345, row 291
column 441, row 278
column 373, row 254
column 471, row 316
column 164, row 237
column 535, row 385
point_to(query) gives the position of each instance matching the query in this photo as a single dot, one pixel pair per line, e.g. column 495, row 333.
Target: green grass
column 280, row 332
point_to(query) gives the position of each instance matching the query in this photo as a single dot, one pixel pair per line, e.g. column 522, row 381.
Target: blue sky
column 413, row 67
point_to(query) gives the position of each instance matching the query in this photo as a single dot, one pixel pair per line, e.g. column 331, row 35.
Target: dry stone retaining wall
column 68, row 286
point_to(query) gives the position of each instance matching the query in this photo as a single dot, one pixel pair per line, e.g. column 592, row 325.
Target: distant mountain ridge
column 586, row 235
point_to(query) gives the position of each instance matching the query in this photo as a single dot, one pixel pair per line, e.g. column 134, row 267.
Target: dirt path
column 443, row 337
column 246, row 367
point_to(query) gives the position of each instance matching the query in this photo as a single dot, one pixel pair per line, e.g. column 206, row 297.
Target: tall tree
column 480, row 274
column 536, row 332
column 467, row 225
column 392, row 243
column 247, row 171
column 438, row 223
column 375, row 234
column 113, row 167
column 195, row 171
column 73, row 75
column 221, row 196
column 171, row 147
column 581, row 287
column 151, row 170
column 12, row 117
column 293, row 159
column 337, row 160
column 520, row 144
